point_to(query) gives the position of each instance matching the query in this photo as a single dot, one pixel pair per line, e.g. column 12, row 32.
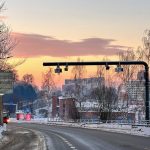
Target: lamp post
column 1, row 109
column 118, row 63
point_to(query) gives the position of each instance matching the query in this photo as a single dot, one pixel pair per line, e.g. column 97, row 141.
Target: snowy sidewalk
column 20, row 138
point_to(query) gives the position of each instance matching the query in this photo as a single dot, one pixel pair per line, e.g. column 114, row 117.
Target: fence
column 98, row 121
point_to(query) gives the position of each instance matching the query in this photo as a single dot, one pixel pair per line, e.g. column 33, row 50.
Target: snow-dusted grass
column 111, row 127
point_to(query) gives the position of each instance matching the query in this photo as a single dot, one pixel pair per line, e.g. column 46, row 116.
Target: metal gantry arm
column 112, row 63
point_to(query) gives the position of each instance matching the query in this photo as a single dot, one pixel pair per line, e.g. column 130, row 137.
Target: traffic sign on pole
column 6, row 82
column 6, row 86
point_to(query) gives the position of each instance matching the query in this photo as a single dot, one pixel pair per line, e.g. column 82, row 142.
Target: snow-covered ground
column 1, row 130
column 112, row 127
column 127, row 129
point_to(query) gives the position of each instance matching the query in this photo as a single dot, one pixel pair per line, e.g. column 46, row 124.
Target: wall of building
column 64, row 108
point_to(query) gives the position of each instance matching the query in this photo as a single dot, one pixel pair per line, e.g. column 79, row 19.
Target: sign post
column 6, row 87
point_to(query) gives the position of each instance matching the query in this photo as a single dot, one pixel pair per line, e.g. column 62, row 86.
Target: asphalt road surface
column 70, row 138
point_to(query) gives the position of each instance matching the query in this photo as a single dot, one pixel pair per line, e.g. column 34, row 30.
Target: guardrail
column 98, row 121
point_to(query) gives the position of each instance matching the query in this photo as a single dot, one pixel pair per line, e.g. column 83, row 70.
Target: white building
column 82, row 86
column 136, row 90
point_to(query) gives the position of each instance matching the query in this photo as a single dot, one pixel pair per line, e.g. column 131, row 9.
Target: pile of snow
column 127, row 129
column 142, row 131
column 39, row 120
column 1, row 130
column 35, row 120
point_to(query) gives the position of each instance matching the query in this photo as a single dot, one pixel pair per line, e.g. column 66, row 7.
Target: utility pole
column 1, row 109
column 107, row 63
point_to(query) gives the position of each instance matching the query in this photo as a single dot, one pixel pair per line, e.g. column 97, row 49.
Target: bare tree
column 105, row 93
column 106, row 98
column 7, row 45
column 146, row 46
column 15, row 75
column 48, row 85
column 142, row 53
column 100, row 71
column 78, row 74
column 79, row 71
column 28, row 78
column 111, row 98
column 130, row 72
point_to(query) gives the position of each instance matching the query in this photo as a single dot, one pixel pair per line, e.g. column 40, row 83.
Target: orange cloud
column 33, row 45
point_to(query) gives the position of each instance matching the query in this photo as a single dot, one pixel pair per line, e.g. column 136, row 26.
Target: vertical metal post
column 147, row 92
column 1, row 110
column 16, row 107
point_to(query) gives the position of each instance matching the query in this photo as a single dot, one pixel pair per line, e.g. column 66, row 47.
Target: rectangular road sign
column 6, row 75
column 6, row 82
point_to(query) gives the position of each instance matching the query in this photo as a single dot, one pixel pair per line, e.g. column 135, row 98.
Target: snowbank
column 127, row 129
column 36, row 120
column 1, row 130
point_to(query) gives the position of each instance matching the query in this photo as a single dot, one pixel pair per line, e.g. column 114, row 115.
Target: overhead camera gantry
column 107, row 64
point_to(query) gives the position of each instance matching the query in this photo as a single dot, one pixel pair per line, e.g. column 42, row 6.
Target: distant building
column 88, row 110
column 136, row 90
column 132, row 93
column 64, row 108
column 85, row 85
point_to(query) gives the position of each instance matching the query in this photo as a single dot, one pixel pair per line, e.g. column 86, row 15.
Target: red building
column 64, row 107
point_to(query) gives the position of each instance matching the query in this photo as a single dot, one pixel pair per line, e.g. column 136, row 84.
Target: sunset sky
column 62, row 30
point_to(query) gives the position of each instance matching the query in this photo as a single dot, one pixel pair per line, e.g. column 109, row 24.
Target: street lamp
column 107, row 66
column 58, row 69
column 66, row 67
column 119, row 68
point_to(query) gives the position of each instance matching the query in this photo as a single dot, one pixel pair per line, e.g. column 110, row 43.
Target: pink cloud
column 32, row 45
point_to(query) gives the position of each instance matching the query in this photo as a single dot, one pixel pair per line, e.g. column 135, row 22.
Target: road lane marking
column 66, row 141
column 72, row 147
